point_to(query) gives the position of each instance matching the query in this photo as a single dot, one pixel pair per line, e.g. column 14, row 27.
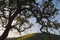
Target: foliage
column 20, row 10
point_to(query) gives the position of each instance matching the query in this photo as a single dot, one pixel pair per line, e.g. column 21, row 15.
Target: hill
column 37, row 36
column 40, row 36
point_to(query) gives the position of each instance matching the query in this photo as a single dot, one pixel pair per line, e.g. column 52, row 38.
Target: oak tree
column 21, row 10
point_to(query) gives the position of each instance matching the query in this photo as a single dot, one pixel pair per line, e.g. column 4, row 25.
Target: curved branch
column 23, row 29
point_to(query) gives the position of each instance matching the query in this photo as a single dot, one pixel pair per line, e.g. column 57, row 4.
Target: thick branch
column 8, row 26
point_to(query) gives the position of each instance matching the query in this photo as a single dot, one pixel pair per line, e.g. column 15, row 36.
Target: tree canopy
column 20, row 10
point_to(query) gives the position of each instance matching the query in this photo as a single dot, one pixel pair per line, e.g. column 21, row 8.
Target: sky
column 36, row 26
column 57, row 4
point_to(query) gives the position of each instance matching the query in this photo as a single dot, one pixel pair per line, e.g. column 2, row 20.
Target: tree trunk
column 5, row 34
column 8, row 26
column 6, row 31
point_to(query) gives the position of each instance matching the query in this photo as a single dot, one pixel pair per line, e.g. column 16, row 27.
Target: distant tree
column 20, row 10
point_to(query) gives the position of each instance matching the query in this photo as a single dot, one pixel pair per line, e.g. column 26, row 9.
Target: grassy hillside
column 38, row 36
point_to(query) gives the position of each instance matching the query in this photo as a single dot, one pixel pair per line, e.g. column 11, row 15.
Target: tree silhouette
column 21, row 10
